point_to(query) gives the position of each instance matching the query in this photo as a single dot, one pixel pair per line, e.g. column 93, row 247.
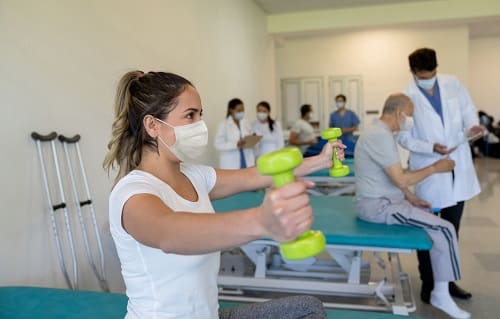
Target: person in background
column 347, row 120
column 444, row 117
column 229, row 138
column 161, row 218
column 343, row 118
column 302, row 133
column 269, row 129
column 383, row 196
column 489, row 144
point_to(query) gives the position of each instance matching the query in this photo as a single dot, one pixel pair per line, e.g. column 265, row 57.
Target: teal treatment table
column 347, row 239
column 52, row 303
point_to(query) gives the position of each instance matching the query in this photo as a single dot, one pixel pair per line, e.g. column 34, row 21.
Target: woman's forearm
column 311, row 164
column 198, row 233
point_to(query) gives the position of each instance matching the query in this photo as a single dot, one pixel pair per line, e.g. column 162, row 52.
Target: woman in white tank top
column 161, row 218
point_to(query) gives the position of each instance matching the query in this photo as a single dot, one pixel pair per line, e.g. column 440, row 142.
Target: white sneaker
column 444, row 302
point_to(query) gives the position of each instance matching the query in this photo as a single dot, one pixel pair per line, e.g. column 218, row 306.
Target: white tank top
column 161, row 285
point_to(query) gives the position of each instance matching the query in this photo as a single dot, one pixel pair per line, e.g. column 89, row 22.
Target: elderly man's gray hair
column 395, row 102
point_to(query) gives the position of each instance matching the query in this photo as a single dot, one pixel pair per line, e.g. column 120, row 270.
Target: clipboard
column 251, row 141
column 469, row 139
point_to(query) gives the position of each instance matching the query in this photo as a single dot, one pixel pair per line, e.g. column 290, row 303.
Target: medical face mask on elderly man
column 190, row 140
column 407, row 122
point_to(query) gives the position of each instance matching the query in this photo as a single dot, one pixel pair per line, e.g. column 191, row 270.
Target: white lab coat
column 226, row 139
column 459, row 115
column 271, row 141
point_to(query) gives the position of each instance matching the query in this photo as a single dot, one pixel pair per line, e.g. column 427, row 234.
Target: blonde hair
column 137, row 95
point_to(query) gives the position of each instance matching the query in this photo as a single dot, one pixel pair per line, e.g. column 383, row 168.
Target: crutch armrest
column 43, row 138
column 69, row 140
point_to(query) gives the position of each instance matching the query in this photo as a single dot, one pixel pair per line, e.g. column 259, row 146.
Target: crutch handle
column 43, row 138
column 69, row 140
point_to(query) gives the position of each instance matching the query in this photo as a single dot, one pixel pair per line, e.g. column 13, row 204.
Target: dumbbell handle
column 336, row 161
column 282, row 179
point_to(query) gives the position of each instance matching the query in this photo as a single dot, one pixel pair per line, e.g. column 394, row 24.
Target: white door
column 298, row 91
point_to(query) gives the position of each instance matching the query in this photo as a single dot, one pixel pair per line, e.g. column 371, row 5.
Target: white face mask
column 262, row 116
column 340, row 105
column 239, row 116
column 190, row 140
column 407, row 123
column 427, row 84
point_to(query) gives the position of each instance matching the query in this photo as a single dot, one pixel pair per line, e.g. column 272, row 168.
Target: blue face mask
column 427, row 84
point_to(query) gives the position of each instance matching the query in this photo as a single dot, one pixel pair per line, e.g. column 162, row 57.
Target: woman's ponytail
column 120, row 147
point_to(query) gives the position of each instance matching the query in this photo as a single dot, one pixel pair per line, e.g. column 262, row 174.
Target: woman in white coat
column 229, row 138
column 269, row 129
column 444, row 118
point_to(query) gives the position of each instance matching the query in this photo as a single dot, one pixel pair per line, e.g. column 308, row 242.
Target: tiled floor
column 479, row 249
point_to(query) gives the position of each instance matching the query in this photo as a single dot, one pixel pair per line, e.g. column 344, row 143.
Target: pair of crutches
column 59, row 211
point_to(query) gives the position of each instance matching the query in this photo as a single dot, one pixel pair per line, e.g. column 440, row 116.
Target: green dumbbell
column 280, row 165
column 338, row 169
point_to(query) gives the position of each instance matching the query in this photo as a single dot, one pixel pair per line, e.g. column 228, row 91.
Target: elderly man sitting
column 383, row 195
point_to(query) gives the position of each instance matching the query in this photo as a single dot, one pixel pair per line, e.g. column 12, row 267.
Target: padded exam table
column 51, row 303
column 347, row 239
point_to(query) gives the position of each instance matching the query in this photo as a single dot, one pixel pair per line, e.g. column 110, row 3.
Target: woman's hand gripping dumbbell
column 286, row 210
column 338, row 169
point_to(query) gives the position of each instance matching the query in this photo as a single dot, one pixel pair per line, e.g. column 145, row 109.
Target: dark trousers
column 453, row 214
column 294, row 307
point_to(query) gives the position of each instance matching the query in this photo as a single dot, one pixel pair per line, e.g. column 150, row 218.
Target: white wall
column 484, row 74
column 61, row 61
column 380, row 56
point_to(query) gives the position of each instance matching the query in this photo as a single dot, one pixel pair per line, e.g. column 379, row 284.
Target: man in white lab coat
column 445, row 117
